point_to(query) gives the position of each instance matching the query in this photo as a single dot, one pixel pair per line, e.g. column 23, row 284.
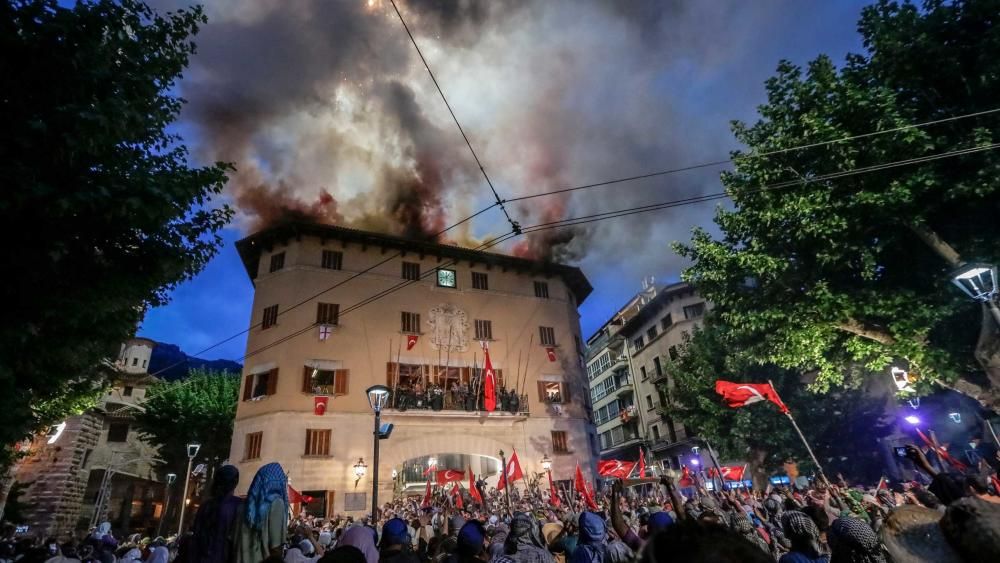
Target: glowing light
column 57, row 431
column 912, row 419
column 955, row 417
column 695, row 462
column 900, row 378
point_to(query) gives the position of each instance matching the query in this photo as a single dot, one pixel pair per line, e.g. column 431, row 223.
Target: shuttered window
column 484, row 330
column 410, row 323
column 553, row 392
column 256, row 385
column 270, row 317
column 480, row 281
column 559, row 442
column 547, row 335
column 332, row 260
column 542, row 289
column 411, row 271
column 327, row 313
column 277, row 261
column 317, row 442
column 251, row 446
column 324, row 381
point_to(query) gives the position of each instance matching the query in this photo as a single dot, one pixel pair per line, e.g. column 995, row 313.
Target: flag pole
column 801, row 435
column 715, row 462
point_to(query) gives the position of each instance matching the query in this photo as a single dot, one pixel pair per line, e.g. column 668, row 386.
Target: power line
column 714, row 163
column 500, row 202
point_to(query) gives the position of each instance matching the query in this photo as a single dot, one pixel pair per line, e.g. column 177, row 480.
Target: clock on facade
column 446, row 278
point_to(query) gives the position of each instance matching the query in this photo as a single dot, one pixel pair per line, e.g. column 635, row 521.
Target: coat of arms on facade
column 449, row 328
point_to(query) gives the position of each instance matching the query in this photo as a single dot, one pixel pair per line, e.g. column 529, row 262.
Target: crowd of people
column 953, row 519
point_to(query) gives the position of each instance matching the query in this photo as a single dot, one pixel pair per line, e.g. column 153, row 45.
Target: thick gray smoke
column 327, row 112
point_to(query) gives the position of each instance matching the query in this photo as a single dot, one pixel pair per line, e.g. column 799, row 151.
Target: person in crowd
column 362, row 538
column 395, row 545
column 853, row 541
column 263, row 527
column 803, row 539
column 593, row 545
column 214, row 525
column 523, row 543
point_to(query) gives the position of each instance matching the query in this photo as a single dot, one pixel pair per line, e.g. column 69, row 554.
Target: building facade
column 652, row 338
column 94, row 467
column 337, row 310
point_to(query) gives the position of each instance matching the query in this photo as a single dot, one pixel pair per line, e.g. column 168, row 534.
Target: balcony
column 452, row 403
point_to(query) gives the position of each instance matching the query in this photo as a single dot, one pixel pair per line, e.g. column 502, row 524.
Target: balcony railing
column 463, row 401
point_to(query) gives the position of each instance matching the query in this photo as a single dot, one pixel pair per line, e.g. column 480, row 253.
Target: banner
column 642, row 463
column 738, row 395
column 473, row 489
column 553, row 493
column 551, row 352
column 489, row 381
column 615, row 468
column 411, row 341
column 512, row 474
column 581, row 487
column 449, row 475
column 319, row 405
column 731, row 472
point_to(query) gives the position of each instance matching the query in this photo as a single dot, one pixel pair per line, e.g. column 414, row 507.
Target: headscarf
column 801, row 532
column 853, row 541
column 269, row 484
column 741, row 524
column 593, row 547
column 361, row 538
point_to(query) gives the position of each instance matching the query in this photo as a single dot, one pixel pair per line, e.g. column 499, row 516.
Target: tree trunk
column 758, row 470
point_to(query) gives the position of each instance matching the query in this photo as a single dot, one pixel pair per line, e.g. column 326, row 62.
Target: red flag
column 456, row 495
column 685, row 480
column 449, row 475
column 489, row 384
column 615, row 468
column 319, row 405
column 553, row 494
column 513, row 472
column 642, row 464
column 430, row 468
column 411, row 341
column 551, row 353
column 427, row 496
column 731, row 472
column 473, row 491
column 738, row 395
column 882, row 484
column 581, row 487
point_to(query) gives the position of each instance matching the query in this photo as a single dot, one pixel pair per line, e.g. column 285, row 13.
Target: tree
column 846, row 275
column 104, row 213
column 842, row 427
column 200, row 408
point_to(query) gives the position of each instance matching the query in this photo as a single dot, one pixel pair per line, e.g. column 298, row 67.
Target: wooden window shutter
column 564, row 390
column 390, row 374
column 248, row 387
column 340, row 382
column 272, row 381
column 541, row 391
column 307, row 379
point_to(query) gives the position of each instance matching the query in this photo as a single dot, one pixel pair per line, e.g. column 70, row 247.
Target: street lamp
column 900, row 377
column 914, row 420
column 360, row 468
column 979, row 281
column 378, row 396
column 431, row 462
column 192, row 452
column 546, row 463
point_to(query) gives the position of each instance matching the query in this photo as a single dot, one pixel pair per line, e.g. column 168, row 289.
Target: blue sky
column 720, row 53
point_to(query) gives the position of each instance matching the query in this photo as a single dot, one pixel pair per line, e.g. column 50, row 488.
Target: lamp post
column 378, row 395
column 979, row 281
column 192, row 451
column 171, row 477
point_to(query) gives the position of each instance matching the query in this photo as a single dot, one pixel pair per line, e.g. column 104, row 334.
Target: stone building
column 337, row 310
column 93, row 467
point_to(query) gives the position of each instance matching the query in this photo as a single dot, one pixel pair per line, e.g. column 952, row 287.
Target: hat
column 395, row 532
column 911, row 533
column 306, row 547
column 550, row 531
column 471, row 538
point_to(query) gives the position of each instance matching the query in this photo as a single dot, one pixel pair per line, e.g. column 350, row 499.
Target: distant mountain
column 169, row 362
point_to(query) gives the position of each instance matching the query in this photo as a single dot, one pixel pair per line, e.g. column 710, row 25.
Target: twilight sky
column 326, row 112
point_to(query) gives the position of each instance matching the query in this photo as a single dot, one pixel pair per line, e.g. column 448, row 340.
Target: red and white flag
column 615, row 468
column 325, row 331
column 449, row 475
column 642, row 464
column 551, row 353
column 427, row 496
column 553, row 493
column 411, row 341
column 489, row 382
column 473, row 490
column 430, row 468
column 738, row 395
column 512, row 474
column 319, row 404
column 731, row 472
column 581, row 487
column 456, row 496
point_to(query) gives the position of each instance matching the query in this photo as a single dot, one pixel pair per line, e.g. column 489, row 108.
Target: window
column 447, row 278
column 144, row 363
column 411, row 271
column 332, row 260
column 270, row 317
column 657, row 367
column 694, row 311
column 251, row 446
column 480, row 281
column 317, row 381
column 651, row 333
column 542, row 289
column 666, row 322
column 656, row 432
column 649, row 401
column 559, row 445
column 672, row 351
column 327, row 313
column 135, row 361
column 118, row 432
column 638, row 343
column 484, row 330
column 317, row 442
column 277, row 262
column 410, row 323
column 642, row 372
column 595, row 368
column 127, row 391
column 552, row 392
column 547, row 335
column 261, row 384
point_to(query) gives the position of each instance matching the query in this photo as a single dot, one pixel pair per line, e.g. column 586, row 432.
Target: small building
column 93, row 467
